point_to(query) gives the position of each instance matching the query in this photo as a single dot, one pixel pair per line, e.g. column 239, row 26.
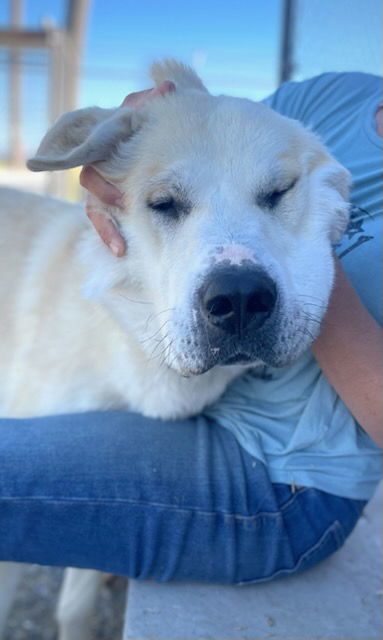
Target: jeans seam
column 283, row 509
column 334, row 528
column 286, row 505
column 157, row 505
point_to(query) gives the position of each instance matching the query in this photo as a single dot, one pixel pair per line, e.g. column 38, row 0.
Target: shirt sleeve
column 321, row 96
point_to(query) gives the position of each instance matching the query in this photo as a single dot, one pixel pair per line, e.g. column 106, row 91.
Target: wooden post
column 76, row 22
column 16, row 154
column 65, row 48
column 286, row 64
column 56, row 72
column 68, row 58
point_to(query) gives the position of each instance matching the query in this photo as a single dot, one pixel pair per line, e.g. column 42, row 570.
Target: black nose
column 236, row 298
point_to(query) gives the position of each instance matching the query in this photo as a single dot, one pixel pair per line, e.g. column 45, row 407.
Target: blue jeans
column 150, row 499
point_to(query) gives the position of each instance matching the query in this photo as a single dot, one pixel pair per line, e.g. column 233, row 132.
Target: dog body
column 60, row 351
column 230, row 213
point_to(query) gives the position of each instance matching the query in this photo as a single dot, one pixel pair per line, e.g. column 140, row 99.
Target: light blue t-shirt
column 291, row 418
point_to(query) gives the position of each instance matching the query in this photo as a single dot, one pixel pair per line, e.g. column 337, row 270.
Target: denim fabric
column 151, row 499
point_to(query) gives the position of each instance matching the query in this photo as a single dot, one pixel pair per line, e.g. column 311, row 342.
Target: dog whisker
column 306, row 332
column 153, row 337
column 311, row 318
column 154, row 316
column 125, row 297
column 159, row 343
column 165, row 355
column 312, row 301
column 170, row 364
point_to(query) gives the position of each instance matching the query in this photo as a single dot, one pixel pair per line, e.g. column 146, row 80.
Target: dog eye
column 272, row 199
column 167, row 207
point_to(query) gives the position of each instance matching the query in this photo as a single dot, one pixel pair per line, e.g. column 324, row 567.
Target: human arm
column 349, row 351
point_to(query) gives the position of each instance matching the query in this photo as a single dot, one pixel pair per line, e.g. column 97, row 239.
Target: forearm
column 349, row 350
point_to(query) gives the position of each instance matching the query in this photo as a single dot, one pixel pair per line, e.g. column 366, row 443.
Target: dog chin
column 197, row 368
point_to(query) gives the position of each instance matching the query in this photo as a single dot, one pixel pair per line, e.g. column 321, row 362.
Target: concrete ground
column 32, row 617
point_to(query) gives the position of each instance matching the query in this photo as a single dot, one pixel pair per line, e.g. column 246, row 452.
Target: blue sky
column 234, row 45
column 223, row 40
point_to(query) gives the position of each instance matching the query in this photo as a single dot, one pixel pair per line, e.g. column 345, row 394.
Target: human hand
column 103, row 193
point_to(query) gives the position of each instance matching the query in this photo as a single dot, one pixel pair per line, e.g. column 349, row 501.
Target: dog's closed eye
column 167, row 206
column 272, row 198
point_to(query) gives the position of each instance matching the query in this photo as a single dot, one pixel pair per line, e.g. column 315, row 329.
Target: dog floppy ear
column 89, row 136
column 339, row 179
column 85, row 136
column 180, row 74
column 332, row 186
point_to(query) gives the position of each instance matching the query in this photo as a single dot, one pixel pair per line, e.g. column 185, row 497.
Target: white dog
column 231, row 211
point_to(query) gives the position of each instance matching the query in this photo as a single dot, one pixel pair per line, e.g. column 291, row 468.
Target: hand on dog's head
column 103, row 192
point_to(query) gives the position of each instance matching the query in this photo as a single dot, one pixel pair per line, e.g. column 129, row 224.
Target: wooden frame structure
column 64, row 46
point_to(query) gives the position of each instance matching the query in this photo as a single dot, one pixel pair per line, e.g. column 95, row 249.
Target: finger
column 106, row 229
column 90, row 179
column 105, row 191
column 165, row 87
column 137, row 99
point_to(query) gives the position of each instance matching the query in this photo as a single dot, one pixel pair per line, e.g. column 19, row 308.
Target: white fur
column 126, row 332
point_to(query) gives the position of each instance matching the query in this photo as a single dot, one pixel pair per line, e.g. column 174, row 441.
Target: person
column 272, row 478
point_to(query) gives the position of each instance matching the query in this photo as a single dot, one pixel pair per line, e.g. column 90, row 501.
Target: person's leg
column 150, row 499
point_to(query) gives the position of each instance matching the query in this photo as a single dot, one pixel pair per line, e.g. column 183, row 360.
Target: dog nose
column 235, row 299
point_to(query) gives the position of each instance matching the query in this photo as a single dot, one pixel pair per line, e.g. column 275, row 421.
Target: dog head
column 231, row 212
